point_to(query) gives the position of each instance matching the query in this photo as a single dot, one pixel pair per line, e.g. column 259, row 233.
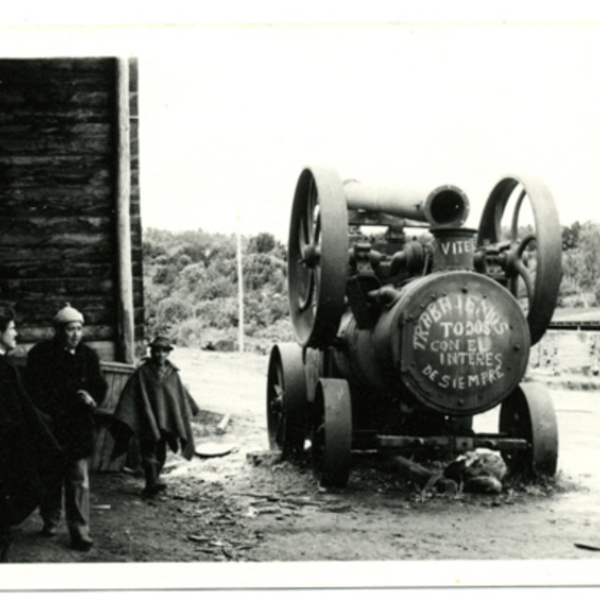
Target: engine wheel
column 533, row 259
column 318, row 256
column 332, row 433
column 286, row 400
column 529, row 413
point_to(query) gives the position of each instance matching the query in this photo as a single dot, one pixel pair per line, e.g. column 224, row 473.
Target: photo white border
column 582, row 574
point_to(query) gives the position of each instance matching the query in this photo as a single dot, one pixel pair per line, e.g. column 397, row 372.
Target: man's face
column 8, row 338
column 73, row 332
column 159, row 355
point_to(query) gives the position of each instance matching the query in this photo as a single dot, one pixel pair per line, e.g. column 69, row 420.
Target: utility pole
column 240, row 284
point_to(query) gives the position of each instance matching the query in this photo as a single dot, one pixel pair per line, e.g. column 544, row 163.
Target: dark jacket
column 29, row 454
column 154, row 407
column 53, row 377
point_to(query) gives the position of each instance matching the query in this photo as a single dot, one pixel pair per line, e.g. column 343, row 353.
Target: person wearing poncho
column 156, row 408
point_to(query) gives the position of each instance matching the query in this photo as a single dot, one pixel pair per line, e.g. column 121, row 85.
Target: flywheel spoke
column 525, row 275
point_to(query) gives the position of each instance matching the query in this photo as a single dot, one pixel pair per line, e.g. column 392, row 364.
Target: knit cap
column 68, row 314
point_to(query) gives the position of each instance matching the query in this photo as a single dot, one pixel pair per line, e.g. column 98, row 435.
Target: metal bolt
column 461, row 402
column 464, row 290
column 517, row 347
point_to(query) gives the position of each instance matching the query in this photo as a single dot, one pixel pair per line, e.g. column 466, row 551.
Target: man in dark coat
column 66, row 382
column 28, row 451
column 155, row 407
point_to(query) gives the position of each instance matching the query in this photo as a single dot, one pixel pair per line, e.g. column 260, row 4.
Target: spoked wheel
column 332, row 432
column 286, row 400
column 529, row 413
column 531, row 258
column 318, row 256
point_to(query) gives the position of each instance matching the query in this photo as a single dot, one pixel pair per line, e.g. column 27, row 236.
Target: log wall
column 58, row 174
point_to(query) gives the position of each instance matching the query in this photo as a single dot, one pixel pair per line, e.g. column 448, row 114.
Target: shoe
column 48, row 530
column 151, row 491
column 82, row 543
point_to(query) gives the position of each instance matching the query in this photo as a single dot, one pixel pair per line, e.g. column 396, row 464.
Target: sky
column 236, row 113
column 231, row 112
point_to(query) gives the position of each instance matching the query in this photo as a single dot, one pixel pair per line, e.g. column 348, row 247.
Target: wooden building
column 70, row 226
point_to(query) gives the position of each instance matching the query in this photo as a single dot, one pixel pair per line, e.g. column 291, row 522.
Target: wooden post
column 125, row 326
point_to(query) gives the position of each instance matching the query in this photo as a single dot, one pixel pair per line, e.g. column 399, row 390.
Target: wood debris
column 222, row 426
column 582, row 546
column 197, row 538
column 413, row 471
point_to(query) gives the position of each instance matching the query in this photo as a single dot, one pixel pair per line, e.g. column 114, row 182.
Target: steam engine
column 404, row 337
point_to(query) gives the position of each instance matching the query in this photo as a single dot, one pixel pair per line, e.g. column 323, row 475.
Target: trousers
column 75, row 480
column 154, row 455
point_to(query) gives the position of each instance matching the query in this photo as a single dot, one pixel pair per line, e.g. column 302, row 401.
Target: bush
column 220, row 314
column 192, row 278
column 183, row 261
column 263, row 243
column 174, row 310
column 165, row 275
column 188, row 333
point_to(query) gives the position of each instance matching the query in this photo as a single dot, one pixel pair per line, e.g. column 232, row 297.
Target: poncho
column 155, row 407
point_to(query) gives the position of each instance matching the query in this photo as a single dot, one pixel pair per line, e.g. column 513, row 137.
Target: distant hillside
column 191, row 288
column 191, row 285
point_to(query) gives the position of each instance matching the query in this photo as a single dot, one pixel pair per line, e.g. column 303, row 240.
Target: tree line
column 580, row 286
column 191, row 284
column 191, row 288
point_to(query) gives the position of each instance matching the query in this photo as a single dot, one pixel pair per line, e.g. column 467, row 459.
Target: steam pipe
column 445, row 206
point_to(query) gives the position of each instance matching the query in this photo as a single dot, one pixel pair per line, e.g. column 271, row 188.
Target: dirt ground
column 248, row 507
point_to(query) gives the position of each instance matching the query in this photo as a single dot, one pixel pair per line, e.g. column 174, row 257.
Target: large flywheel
column 524, row 254
column 318, row 256
column 286, row 400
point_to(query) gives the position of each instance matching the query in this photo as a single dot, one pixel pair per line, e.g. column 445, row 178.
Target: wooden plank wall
column 117, row 375
column 57, row 195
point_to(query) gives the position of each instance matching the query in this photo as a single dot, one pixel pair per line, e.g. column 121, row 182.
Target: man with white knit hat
column 65, row 381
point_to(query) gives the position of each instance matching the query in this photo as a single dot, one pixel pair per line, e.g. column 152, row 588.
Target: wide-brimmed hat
column 160, row 341
column 68, row 314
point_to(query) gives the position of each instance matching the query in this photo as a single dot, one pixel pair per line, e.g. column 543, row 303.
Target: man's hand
column 87, row 398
